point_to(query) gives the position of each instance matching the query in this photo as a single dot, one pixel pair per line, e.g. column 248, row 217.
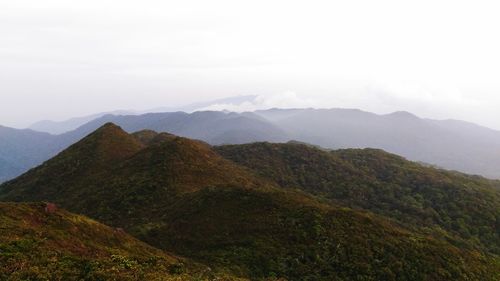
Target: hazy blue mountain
column 449, row 144
column 21, row 150
column 9, row 170
column 214, row 127
column 60, row 127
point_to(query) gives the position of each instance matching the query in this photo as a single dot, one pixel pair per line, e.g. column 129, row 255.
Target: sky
column 437, row 59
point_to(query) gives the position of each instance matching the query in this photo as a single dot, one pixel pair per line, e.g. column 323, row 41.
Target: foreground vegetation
column 37, row 243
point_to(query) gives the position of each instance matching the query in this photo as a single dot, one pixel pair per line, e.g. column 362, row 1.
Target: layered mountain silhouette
column 450, row 144
column 182, row 196
column 214, row 127
column 60, row 127
column 21, row 150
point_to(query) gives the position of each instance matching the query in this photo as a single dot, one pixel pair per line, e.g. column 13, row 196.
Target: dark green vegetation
column 467, row 208
column 36, row 244
column 260, row 234
column 181, row 196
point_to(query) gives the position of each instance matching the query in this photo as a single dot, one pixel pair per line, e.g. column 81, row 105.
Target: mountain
column 450, row 144
column 180, row 195
column 214, row 127
column 38, row 241
column 467, row 207
column 9, row 170
column 60, row 127
column 21, row 150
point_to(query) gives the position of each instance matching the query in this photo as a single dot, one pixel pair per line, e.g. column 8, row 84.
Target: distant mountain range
column 24, row 149
column 60, row 127
column 21, row 150
column 260, row 211
column 449, row 144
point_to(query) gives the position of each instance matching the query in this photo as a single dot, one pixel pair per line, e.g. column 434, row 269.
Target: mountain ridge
column 383, row 183
column 182, row 196
column 454, row 145
column 26, row 148
column 464, row 146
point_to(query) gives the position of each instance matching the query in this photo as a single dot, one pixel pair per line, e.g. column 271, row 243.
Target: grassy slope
column 180, row 195
column 40, row 245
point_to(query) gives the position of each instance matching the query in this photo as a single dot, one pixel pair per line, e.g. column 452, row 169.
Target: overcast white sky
column 438, row 59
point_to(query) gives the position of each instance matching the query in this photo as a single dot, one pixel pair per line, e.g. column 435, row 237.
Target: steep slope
column 466, row 206
column 41, row 242
column 180, row 195
column 449, row 144
column 84, row 160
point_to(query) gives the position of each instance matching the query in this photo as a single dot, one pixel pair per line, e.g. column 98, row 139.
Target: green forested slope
column 180, row 195
column 466, row 207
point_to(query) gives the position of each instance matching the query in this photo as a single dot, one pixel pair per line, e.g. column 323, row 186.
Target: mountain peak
column 149, row 137
column 109, row 127
column 97, row 152
column 402, row 114
column 109, row 143
column 187, row 164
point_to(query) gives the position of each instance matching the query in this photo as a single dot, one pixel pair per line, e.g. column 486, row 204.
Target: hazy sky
column 438, row 59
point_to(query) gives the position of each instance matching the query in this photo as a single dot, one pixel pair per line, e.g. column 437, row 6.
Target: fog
column 437, row 59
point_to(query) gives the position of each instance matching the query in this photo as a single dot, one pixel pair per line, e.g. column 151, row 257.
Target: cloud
column 72, row 58
column 283, row 100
